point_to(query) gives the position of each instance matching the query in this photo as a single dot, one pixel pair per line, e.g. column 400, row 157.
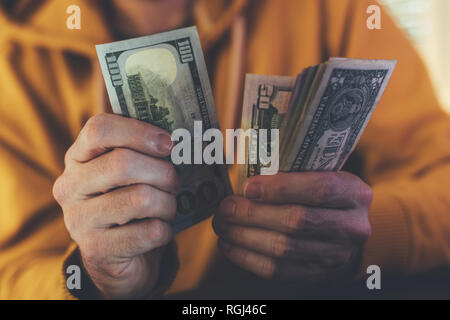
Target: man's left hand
column 296, row 226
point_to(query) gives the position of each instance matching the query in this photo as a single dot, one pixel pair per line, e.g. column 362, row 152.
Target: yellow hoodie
column 50, row 85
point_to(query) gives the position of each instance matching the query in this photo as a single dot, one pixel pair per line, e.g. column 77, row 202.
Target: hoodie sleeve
column 33, row 241
column 405, row 150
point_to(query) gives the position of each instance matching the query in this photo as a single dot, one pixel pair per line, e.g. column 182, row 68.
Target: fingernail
column 253, row 191
column 228, row 208
column 164, row 142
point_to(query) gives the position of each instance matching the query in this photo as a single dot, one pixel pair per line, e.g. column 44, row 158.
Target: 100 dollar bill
column 162, row 80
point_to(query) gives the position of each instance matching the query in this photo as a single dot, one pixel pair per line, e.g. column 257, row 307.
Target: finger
column 321, row 189
column 107, row 131
column 283, row 218
column 136, row 238
column 270, row 268
column 295, row 220
column 251, row 261
column 121, row 206
column 280, row 246
column 123, row 167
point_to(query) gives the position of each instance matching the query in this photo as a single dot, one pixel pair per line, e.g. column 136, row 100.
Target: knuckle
column 95, row 127
column 267, row 269
column 360, row 229
column 280, row 189
column 64, row 188
column 328, row 185
column 158, row 231
column 140, row 197
column 235, row 233
column 249, row 212
column 364, row 194
column 240, row 255
column 119, row 161
column 359, row 193
column 279, row 246
column 132, row 243
column 120, row 220
column 293, row 219
column 58, row 189
column 365, row 231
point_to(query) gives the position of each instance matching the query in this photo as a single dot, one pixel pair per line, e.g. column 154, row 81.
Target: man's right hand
column 118, row 199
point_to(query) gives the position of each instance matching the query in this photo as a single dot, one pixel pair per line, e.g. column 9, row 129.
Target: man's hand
column 296, row 226
column 118, row 199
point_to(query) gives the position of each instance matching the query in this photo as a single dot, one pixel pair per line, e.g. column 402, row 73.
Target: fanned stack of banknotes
column 321, row 114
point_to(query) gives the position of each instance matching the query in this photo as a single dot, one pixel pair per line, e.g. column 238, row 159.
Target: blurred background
column 427, row 23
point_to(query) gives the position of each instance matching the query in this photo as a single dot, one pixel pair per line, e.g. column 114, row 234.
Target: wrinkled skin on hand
column 307, row 227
